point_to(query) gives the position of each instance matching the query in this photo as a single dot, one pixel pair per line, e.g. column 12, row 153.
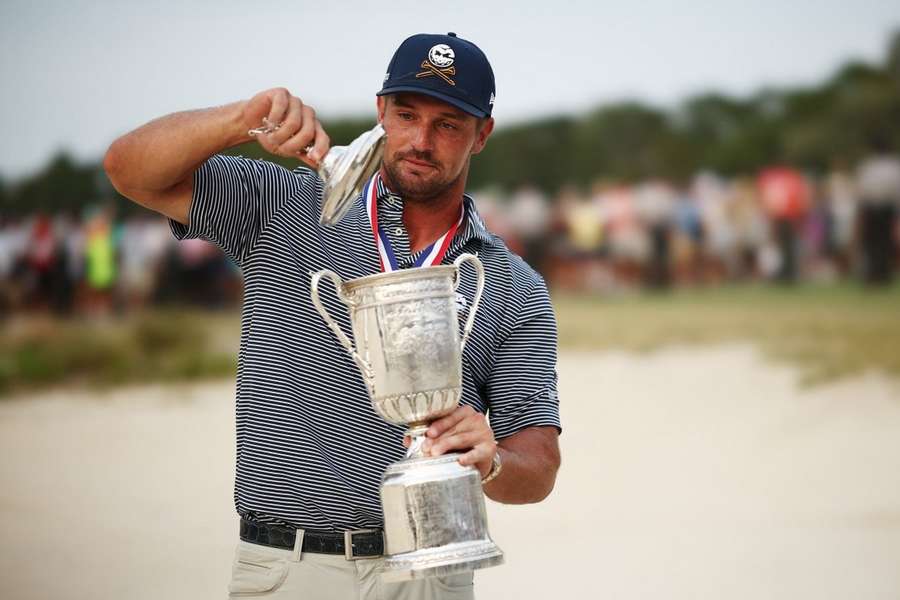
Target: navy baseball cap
column 445, row 67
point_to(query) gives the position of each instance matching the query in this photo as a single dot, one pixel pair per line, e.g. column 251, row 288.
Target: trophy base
column 435, row 520
column 446, row 560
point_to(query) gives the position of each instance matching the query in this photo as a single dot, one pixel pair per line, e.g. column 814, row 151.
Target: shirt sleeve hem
column 192, row 230
column 504, row 432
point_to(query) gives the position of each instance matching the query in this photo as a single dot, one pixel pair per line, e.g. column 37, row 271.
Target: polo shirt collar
column 389, row 202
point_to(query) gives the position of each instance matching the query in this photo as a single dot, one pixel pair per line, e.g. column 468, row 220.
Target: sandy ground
column 700, row 473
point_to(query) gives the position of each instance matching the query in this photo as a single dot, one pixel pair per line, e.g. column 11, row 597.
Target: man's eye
column 405, row 116
column 448, row 126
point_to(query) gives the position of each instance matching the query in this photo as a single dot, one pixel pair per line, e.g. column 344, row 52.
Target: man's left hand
column 463, row 429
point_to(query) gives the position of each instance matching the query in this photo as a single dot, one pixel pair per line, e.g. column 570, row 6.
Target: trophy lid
column 345, row 170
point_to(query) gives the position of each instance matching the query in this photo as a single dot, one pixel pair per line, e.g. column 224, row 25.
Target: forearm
column 163, row 153
column 530, row 461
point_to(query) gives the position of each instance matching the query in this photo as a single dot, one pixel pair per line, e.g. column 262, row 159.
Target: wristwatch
column 496, row 467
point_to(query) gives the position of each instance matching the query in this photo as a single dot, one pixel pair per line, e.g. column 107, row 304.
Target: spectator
column 529, row 216
column 786, row 198
column 100, row 266
column 878, row 180
column 843, row 204
column 688, row 239
column 41, row 258
column 655, row 205
column 749, row 225
column 711, row 192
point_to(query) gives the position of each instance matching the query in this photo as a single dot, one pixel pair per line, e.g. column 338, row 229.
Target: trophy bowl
column 408, row 345
column 410, row 339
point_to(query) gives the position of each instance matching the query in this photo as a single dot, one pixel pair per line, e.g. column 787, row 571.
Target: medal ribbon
column 432, row 255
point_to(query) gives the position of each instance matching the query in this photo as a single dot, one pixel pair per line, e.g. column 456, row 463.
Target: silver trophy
column 344, row 169
column 409, row 351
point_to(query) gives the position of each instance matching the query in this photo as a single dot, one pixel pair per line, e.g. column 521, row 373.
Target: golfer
column 310, row 448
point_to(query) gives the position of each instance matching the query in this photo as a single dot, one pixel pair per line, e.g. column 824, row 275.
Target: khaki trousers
column 273, row 573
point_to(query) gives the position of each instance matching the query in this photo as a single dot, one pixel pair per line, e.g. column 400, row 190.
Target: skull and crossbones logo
column 439, row 63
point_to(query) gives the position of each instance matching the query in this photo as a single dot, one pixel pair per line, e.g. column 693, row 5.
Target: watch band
column 496, row 467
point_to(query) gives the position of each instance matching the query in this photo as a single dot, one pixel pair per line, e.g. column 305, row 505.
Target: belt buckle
column 348, row 543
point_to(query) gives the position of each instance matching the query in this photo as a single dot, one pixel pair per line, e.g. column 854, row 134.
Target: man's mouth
column 418, row 163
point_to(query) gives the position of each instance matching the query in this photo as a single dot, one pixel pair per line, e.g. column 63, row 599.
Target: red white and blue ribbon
column 432, row 255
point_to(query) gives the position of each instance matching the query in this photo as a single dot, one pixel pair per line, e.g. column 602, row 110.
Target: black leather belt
column 360, row 543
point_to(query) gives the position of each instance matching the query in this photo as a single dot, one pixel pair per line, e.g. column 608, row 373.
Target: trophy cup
column 409, row 351
column 344, row 169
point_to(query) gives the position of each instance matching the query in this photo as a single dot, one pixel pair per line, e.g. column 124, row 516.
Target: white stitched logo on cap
column 491, row 101
column 441, row 56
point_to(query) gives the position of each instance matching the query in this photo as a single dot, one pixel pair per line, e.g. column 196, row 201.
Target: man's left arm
column 524, row 412
column 529, row 458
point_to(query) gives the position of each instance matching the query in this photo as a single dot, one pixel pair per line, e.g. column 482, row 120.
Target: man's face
column 428, row 144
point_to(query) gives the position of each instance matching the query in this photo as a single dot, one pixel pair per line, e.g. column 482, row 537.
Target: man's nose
column 422, row 139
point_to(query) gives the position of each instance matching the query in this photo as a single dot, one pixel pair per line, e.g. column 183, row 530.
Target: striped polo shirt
column 311, row 450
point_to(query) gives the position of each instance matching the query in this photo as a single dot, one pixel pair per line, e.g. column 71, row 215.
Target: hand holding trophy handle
column 479, row 271
column 364, row 366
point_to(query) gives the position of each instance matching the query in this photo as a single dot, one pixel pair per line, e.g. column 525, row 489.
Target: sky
column 78, row 74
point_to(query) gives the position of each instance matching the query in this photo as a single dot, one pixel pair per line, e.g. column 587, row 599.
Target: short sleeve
column 522, row 386
column 233, row 201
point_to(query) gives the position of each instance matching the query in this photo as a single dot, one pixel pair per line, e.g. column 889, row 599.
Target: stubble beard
column 416, row 190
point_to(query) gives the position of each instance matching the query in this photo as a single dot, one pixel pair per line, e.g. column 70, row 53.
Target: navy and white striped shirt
column 311, row 450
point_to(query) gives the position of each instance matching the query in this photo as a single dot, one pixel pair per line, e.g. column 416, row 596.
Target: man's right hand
column 154, row 164
column 298, row 127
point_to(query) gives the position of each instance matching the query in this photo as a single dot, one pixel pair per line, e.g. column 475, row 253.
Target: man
column 310, row 449
column 786, row 197
column 878, row 181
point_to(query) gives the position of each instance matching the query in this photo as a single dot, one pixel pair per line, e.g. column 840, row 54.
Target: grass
column 158, row 346
column 827, row 332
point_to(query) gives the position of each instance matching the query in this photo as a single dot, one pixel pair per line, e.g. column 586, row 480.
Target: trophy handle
column 479, row 271
column 365, row 367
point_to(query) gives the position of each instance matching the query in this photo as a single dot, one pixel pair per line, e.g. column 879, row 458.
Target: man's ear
column 484, row 131
column 380, row 105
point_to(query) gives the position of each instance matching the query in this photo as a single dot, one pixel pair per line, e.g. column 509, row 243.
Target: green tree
column 62, row 185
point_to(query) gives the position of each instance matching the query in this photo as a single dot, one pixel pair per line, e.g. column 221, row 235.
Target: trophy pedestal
column 434, row 519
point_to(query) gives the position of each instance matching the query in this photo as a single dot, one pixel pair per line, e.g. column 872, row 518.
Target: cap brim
column 460, row 104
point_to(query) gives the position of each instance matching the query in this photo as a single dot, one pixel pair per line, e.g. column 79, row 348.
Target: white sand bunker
column 688, row 473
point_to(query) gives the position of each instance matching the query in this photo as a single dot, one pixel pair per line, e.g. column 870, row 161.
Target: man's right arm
column 154, row 164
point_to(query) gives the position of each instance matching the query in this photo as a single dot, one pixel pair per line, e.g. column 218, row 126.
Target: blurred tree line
column 810, row 127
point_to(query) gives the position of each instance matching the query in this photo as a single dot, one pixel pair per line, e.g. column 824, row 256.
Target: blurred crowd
column 779, row 225
column 95, row 264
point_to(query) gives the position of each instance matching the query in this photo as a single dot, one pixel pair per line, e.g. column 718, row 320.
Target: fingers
column 463, row 429
column 257, row 109
column 297, row 133
column 321, row 145
column 480, row 457
column 447, row 423
column 456, row 441
column 289, row 123
column 299, row 138
column 281, row 99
